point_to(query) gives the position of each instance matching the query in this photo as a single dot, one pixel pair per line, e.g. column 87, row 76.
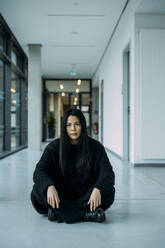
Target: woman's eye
column 76, row 124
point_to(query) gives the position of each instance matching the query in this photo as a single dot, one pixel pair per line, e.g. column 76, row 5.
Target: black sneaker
column 97, row 215
column 51, row 214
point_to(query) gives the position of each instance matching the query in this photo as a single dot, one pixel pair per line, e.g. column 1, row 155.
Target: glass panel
column 1, row 106
column 20, row 63
column 15, row 112
column 85, row 99
column 74, row 101
column 1, row 43
column 14, row 57
column 85, row 108
column 65, row 101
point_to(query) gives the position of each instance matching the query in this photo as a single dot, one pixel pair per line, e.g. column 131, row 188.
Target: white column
column 34, row 98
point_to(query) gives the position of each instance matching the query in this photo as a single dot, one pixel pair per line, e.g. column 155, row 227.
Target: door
column 126, row 104
column 101, row 110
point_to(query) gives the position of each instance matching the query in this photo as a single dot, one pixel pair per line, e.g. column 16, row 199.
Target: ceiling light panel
column 75, row 15
column 74, row 46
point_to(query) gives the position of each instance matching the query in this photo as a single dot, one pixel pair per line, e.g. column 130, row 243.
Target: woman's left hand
column 95, row 199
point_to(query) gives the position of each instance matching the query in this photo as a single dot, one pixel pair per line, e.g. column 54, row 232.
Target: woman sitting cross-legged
column 73, row 180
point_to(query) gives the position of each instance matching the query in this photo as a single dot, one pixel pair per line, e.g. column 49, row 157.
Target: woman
column 73, row 180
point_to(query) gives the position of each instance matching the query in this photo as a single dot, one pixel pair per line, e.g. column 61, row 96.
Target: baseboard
column 8, row 153
column 148, row 164
column 115, row 154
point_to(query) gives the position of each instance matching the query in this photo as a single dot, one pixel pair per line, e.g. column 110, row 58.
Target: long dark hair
column 65, row 142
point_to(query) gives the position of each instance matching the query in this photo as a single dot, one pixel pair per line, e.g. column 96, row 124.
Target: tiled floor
column 136, row 219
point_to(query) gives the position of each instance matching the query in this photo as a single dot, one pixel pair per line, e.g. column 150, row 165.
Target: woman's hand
column 95, row 199
column 52, row 197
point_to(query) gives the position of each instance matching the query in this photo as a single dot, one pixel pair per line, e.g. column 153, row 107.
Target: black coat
column 99, row 174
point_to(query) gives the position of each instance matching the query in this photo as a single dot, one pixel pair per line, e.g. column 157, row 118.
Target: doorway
column 57, row 101
column 101, row 110
column 126, row 103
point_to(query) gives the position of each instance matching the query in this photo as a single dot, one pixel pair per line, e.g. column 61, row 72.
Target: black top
column 98, row 173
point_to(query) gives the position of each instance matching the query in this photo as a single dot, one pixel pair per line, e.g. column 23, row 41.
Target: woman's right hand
column 52, row 197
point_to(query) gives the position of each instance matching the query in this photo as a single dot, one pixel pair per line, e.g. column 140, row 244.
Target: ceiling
column 151, row 7
column 73, row 33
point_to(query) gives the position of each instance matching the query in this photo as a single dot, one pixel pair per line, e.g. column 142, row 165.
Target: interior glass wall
column 13, row 93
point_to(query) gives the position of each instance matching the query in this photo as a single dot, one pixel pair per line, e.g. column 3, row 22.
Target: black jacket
column 99, row 174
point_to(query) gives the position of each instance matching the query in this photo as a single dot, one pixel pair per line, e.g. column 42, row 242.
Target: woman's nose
column 73, row 127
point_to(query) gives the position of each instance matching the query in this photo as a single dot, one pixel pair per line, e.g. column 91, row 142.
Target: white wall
column 147, row 87
column 111, row 70
column 150, row 78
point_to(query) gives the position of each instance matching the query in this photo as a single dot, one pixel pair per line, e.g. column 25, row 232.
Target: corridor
column 136, row 219
column 107, row 59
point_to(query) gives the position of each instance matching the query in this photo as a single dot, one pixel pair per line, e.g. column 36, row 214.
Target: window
column 15, row 111
column 13, row 92
column 1, row 106
column 1, row 43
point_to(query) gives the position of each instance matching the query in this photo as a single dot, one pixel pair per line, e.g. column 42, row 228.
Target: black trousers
column 71, row 211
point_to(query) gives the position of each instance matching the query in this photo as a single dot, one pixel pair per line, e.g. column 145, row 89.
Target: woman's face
column 73, row 128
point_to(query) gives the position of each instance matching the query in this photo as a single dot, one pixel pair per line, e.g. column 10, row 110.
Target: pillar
column 34, row 98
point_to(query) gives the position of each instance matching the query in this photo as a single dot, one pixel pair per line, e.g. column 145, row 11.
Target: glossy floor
column 136, row 219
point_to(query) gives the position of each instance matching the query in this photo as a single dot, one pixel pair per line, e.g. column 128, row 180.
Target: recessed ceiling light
column 63, row 94
column 61, row 86
column 77, row 90
column 79, row 82
column 12, row 90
